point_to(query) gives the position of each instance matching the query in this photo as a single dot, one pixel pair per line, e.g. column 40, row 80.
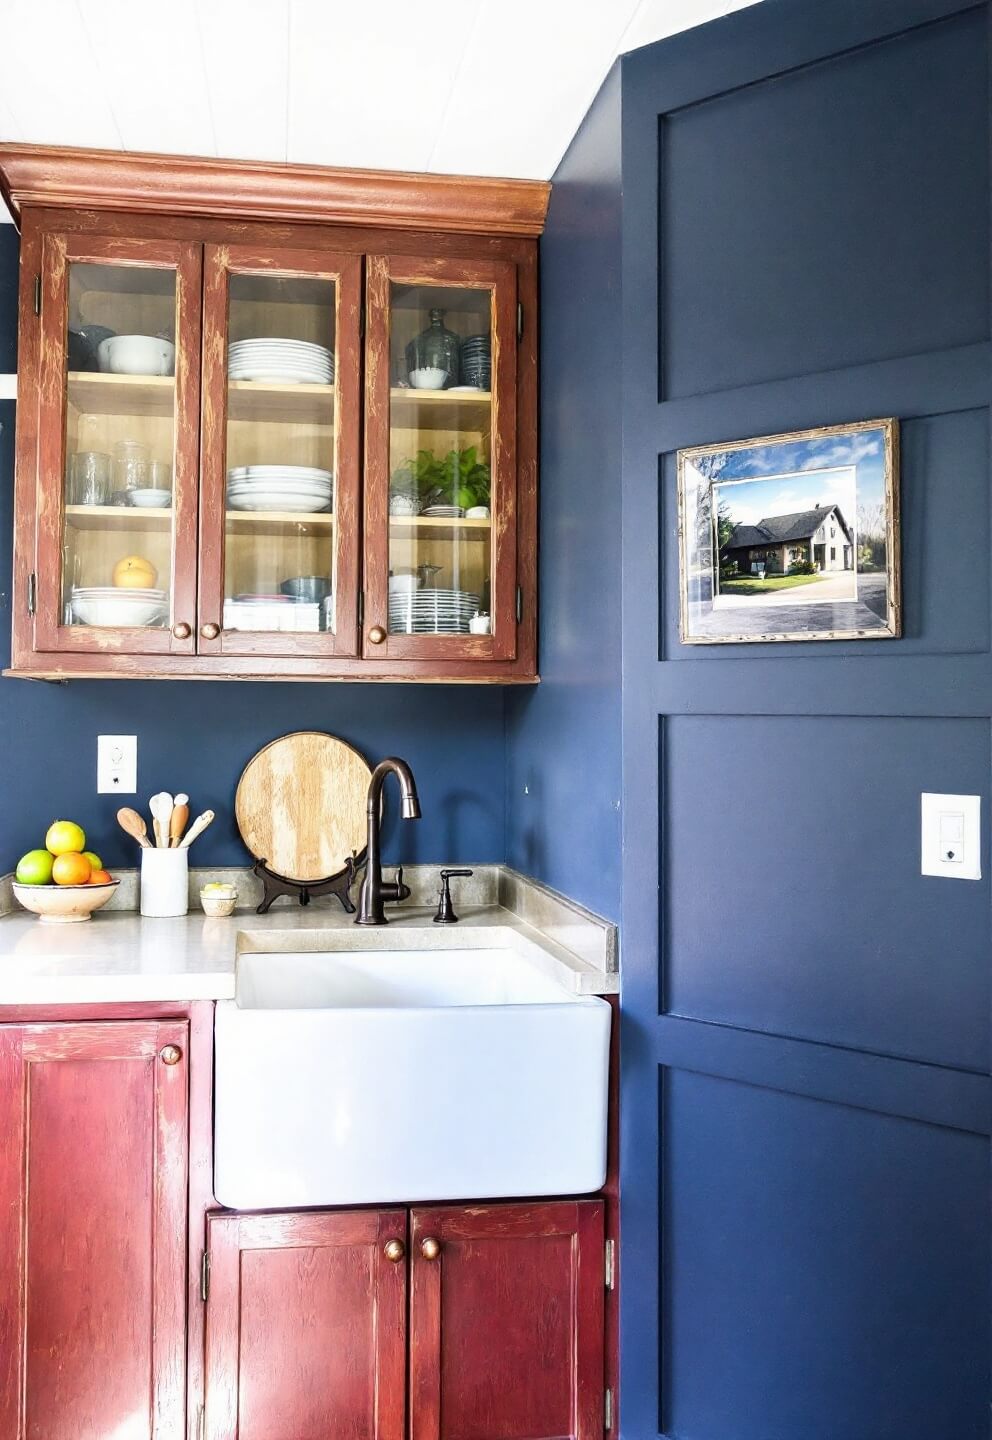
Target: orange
column 100, row 877
column 64, row 835
column 71, row 868
column 134, row 572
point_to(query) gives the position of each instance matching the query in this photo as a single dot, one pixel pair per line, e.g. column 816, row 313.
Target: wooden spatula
column 177, row 824
column 133, row 824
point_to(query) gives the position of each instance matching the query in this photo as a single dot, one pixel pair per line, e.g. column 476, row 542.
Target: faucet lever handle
column 445, row 910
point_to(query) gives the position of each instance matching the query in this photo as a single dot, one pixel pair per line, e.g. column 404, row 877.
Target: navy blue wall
column 806, row 1046
column 197, row 737
column 563, row 739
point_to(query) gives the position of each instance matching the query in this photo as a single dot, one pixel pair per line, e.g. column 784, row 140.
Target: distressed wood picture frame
column 791, row 537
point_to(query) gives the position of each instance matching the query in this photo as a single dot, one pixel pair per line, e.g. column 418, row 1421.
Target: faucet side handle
column 445, row 910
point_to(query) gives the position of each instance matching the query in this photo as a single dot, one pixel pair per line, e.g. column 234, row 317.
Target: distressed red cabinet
column 311, row 1333
column 306, row 1322
column 93, row 1230
column 506, row 1322
column 300, row 386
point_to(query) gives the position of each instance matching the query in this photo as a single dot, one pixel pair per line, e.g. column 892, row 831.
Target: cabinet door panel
column 93, row 1176
column 116, row 487
column 305, row 1327
column 441, row 463
column 506, row 1324
column 279, row 453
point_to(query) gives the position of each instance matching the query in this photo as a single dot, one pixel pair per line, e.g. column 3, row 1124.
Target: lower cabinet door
column 306, row 1326
column 93, row 1181
column 506, row 1322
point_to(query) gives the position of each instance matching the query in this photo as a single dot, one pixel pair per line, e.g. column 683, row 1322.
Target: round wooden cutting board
column 300, row 805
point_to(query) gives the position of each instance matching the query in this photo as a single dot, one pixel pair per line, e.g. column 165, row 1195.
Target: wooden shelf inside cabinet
column 116, row 517
column 441, row 409
column 430, row 527
column 99, row 394
column 275, row 521
column 288, row 404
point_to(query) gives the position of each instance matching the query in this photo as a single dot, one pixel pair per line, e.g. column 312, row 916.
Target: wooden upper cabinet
column 93, row 1183
column 301, row 447
column 440, row 459
column 306, row 1326
column 506, row 1322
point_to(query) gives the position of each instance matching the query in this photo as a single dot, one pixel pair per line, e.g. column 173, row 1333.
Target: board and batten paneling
column 806, row 1090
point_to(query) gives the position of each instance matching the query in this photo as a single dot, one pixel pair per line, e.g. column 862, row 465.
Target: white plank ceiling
column 482, row 87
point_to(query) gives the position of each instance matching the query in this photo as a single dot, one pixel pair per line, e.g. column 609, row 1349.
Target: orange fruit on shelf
column 71, row 868
column 65, row 835
column 134, row 572
column 100, row 877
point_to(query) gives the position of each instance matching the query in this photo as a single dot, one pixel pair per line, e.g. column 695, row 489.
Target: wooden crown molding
column 179, row 184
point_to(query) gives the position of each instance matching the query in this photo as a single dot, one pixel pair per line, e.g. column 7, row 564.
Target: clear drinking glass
column 89, row 478
column 131, row 462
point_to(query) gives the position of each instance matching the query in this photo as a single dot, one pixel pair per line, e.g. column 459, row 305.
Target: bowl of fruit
column 63, row 883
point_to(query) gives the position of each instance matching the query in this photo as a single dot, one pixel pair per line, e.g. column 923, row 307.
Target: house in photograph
column 778, row 542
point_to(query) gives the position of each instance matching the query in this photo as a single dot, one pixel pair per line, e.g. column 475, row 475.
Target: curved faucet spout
column 375, row 891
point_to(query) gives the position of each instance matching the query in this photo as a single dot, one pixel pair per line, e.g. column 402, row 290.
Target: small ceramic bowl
column 151, row 499
column 430, row 377
column 137, row 355
column 219, row 902
column 64, row 904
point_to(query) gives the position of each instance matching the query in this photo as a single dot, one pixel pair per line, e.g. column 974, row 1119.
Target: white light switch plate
column 951, row 836
column 116, row 764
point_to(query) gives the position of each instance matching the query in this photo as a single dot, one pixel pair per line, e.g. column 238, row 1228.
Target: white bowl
column 219, row 902
column 402, row 584
column 64, row 904
column 151, row 499
column 136, row 355
column 428, row 378
column 125, row 611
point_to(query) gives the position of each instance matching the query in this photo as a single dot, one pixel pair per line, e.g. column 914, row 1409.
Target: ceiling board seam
column 456, row 76
column 206, row 78
column 108, row 89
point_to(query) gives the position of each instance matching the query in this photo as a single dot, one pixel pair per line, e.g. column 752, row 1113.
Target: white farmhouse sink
column 378, row 1076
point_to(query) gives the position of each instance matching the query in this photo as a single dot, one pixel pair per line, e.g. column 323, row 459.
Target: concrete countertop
column 119, row 956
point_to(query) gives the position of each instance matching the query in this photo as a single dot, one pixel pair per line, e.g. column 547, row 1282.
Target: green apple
column 95, row 862
column 35, row 868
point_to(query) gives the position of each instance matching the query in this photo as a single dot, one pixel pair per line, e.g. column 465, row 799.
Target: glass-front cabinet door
column 440, row 460
column 117, row 445
column 279, row 453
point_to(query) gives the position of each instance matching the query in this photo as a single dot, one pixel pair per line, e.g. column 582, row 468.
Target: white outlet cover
column 951, row 836
column 117, row 764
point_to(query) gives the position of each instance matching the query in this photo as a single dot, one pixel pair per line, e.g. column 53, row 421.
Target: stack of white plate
column 454, row 512
column 431, row 612
column 303, row 488
column 110, row 605
column 295, row 362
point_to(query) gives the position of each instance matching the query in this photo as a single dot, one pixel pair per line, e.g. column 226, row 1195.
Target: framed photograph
column 791, row 537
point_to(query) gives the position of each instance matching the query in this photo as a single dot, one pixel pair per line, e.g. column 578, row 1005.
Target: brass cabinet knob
column 430, row 1248
column 394, row 1250
column 170, row 1054
column 377, row 635
column 181, row 630
column 210, row 631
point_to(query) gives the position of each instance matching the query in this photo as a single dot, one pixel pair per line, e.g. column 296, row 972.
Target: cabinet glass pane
column 279, row 548
column 440, row 488
column 117, row 538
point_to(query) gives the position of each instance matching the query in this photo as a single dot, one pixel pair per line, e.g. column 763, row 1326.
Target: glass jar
column 434, row 350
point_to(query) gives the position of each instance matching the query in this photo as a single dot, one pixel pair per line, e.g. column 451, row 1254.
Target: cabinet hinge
column 520, row 603
column 205, row 1276
column 608, row 1409
column 610, row 1264
column 37, row 294
column 520, row 321
column 32, row 593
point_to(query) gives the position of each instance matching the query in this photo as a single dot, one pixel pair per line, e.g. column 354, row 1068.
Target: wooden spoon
column 161, row 806
column 177, row 824
column 197, row 828
column 133, row 824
